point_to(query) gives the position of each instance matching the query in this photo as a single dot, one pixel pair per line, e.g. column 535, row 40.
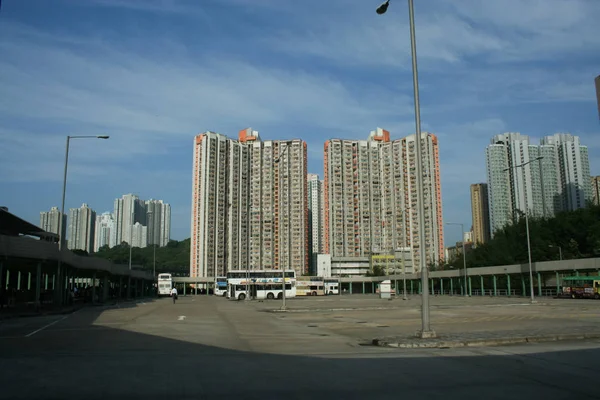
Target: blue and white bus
column 220, row 286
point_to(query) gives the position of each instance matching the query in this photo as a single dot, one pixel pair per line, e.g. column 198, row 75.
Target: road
column 208, row 348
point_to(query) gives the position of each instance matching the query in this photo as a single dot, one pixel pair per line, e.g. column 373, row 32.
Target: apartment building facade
column 370, row 197
column 50, row 221
column 480, row 213
column 81, row 228
column 249, row 204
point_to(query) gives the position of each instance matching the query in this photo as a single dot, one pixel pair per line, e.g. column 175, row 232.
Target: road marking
column 181, row 318
column 46, row 326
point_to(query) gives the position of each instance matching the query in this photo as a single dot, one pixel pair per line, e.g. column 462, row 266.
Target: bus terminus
column 263, row 284
column 220, row 286
column 165, row 284
column 577, row 287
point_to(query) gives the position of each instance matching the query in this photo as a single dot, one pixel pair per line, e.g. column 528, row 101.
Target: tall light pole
column 62, row 209
column 289, row 209
column 559, row 251
column 527, row 227
column 462, row 229
column 404, row 216
column 426, row 331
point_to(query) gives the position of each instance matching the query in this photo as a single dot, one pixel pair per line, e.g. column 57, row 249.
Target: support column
column 412, row 291
column 196, row 289
column 105, row 287
column 350, row 287
column 451, row 286
column 128, row 286
column 481, row 287
column 442, row 286
column 372, row 287
column 363, row 285
column 184, row 288
column 557, row 284
column 539, row 276
column 495, row 285
column 524, row 292
column 470, row 287
column 94, row 288
column 38, row 283
column 420, row 289
column 508, row 284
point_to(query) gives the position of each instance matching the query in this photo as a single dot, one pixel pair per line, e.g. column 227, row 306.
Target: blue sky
column 153, row 73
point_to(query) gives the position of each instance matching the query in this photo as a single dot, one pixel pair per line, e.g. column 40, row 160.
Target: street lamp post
column 62, row 211
column 289, row 203
column 462, row 229
column 404, row 211
column 527, row 228
column 426, row 331
column 559, row 251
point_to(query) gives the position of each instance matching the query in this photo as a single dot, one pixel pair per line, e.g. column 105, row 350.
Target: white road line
column 46, row 326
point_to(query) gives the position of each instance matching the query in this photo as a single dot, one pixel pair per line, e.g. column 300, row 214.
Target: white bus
column 220, row 286
column 262, row 284
column 165, row 284
column 310, row 286
column 332, row 286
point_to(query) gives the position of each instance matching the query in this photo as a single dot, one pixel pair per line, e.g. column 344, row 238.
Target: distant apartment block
column 249, row 204
column 597, row 82
column 50, row 221
column 158, row 222
column 315, row 217
column 106, row 232
column 81, row 228
column 139, row 235
column 480, row 213
column 370, row 197
column 559, row 181
column 595, row 187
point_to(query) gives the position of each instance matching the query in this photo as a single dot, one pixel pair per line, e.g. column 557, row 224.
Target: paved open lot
column 206, row 347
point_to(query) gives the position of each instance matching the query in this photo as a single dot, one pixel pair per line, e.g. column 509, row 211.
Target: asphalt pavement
column 211, row 348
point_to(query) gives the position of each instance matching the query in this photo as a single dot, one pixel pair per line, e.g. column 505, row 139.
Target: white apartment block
column 370, row 197
column 316, row 214
column 50, row 220
column 158, row 221
column 249, row 204
column 139, row 235
column 560, row 180
column 128, row 210
column 81, row 228
column 106, row 232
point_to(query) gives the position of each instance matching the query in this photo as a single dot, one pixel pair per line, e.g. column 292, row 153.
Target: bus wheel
column 270, row 296
column 314, row 293
column 280, row 296
column 330, row 293
column 224, row 294
column 241, row 296
column 597, row 296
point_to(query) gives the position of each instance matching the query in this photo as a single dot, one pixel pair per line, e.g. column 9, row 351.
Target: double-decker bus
column 310, row 286
column 165, row 284
column 260, row 284
column 577, row 287
column 220, row 286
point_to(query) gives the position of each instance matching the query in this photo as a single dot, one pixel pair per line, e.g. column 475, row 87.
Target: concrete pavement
column 206, row 347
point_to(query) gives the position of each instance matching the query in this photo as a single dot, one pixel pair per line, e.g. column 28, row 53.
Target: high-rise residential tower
column 480, row 213
column 158, row 221
column 555, row 176
column 315, row 217
column 50, row 221
column 595, row 184
column 370, row 196
column 106, row 232
column 81, row 228
column 249, row 204
column 128, row 210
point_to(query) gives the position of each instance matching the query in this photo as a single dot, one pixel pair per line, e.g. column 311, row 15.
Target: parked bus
column 220, row 286
column 578, row 287
column 310, row 286
column 165, row 284
column 262, row 284
column 332, row 286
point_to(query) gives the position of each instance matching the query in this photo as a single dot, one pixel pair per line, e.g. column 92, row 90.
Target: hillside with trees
column 173, row 258
column 577, row 233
